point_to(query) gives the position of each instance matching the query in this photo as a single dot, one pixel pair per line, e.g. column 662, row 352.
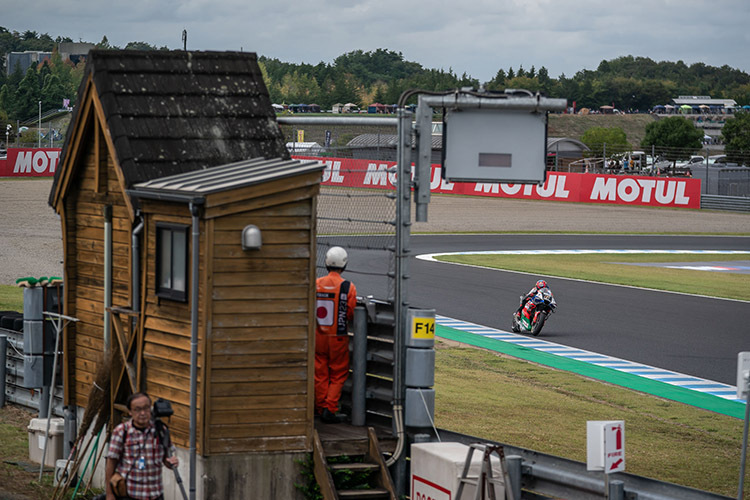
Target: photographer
column 136, row 455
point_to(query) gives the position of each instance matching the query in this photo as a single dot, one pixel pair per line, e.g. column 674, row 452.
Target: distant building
column 704, row 102
column 24, row 60
column 74, row 52
column 69, row 51
column 706, row 113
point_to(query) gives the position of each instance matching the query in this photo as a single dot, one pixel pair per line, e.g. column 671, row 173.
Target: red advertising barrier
column 560, row 186
column 30, row 162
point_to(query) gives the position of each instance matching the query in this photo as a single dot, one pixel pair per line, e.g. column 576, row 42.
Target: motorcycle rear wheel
column 537, row 328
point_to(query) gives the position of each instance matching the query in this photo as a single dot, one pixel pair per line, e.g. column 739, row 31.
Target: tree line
column 363, row 78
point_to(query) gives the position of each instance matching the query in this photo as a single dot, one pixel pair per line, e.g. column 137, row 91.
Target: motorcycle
column 534, row 313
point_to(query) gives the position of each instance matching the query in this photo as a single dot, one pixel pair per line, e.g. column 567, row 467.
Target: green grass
column 11, row 298
column 604, row 268
column 488, row 395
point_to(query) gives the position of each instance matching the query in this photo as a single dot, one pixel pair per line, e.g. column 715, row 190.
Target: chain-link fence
column 721, row 173
column 49, row 133
column 360, row 220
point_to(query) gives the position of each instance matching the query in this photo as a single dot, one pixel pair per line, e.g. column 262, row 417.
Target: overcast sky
column 473, row 36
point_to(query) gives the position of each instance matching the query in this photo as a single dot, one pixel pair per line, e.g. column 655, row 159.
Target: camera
column 162, row 408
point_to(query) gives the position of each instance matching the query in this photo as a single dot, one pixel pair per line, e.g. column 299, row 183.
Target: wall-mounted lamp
column 251, row 239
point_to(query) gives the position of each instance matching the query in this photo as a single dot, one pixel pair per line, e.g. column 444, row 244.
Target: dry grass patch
column 499, row 398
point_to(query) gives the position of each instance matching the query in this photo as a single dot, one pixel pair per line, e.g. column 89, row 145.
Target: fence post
column 706, row 170
column 514, row 462
column 359, row 366
column 3, row 353
column 616, row 490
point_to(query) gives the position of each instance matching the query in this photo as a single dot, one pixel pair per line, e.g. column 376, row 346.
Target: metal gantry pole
column 401, row 302
column 743, row 457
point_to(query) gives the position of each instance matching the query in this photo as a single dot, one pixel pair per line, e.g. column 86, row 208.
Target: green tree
column 523, row 82
column 140, row 46
column 104, row 44
column 53, row 93
column 7, row 100
column 28, row 95
column 545, row 82
column 605, row 139
column 736, row 137
column 497, row 83
column 675, row 137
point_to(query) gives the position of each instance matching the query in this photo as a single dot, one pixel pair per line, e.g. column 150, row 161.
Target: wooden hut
column 161, row 143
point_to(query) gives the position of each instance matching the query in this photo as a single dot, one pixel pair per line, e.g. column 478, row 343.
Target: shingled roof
column 171, row 112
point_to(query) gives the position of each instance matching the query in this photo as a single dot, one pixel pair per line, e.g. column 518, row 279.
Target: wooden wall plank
column 291, row 196
column 223, row 307
column 259, row 320
column 166, row 353
column 259, row 388
column 219, row 403
column 296, row 358
column 234, row 445
column 257, row 374
column 273, row 189
column 271, row 277
column 286, row 220
column 235, row 251
column 179, row 326
column 259, row 430
column 249, row 265
column 221, row 335
column 261, row 291
column 258, row 347
column 270, row 235
column 259, row 416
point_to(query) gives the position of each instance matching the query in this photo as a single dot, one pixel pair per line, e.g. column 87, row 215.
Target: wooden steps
column 358, row 476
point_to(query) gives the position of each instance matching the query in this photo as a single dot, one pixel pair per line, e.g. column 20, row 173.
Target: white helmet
column 336, row 258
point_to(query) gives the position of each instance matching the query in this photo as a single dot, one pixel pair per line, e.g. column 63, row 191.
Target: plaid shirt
column 127, row 445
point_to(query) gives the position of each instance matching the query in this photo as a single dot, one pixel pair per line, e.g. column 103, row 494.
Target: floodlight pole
column 743, row 456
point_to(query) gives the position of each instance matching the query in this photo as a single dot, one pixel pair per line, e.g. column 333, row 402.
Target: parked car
column 717, row 159
column 694, row 160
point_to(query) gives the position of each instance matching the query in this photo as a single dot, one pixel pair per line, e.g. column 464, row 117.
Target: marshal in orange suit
column 336, row 298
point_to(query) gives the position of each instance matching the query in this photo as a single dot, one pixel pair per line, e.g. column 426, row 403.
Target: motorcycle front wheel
column 537, row 328
column 514, row 325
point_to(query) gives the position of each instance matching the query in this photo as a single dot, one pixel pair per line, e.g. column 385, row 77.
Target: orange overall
column 334, row 308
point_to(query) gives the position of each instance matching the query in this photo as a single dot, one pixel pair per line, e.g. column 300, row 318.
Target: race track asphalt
column 693, row 335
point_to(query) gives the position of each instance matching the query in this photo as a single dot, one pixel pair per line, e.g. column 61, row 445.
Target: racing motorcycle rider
column 537, row 287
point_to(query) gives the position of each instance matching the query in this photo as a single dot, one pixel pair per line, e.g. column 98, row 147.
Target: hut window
column 171, row 261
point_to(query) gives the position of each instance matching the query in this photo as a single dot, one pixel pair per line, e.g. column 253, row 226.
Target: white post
column 39, row 133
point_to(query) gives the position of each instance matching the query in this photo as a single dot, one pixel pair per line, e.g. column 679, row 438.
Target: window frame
column 171, row 292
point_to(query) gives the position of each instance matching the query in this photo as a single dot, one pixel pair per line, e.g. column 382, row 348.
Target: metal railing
column 13, row 385
column 538, row 475
column 732, row 203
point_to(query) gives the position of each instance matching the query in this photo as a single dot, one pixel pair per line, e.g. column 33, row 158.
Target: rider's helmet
column 336, row 258
column 541, row 284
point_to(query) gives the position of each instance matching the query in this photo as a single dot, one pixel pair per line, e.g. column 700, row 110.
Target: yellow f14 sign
column 421, row 324
column 423, row 328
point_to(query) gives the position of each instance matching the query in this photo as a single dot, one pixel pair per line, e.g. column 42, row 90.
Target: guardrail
column 545, row 476
column 718, row 202
column 13, row 385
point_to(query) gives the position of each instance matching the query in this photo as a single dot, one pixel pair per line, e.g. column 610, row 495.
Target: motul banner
column 30, row 162
column 560, row 186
